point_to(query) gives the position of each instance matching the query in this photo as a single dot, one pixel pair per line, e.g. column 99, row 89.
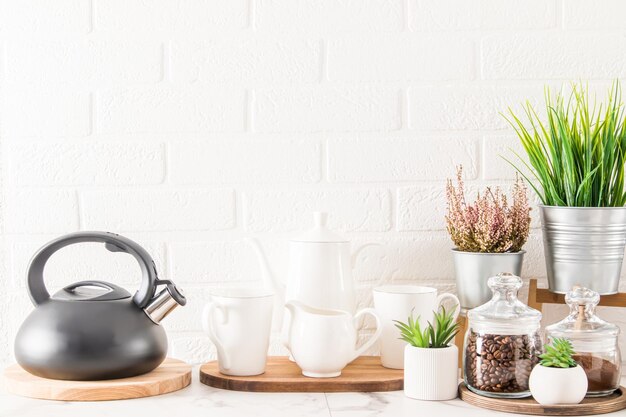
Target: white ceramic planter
column 550, row 386
column 431, row 374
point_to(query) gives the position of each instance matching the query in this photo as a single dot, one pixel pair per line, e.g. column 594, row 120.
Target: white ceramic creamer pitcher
column 323, row 341
column 320, row 269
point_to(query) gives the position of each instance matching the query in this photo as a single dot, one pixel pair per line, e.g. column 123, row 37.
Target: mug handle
column 446, row 295
column 207, row 324
column 374, row 337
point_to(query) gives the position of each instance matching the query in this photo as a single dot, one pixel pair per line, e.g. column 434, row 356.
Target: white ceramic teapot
column 323, row 341
column 320, row 269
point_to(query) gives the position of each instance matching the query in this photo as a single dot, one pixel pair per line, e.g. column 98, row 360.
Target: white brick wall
column 158, row 209
column 553, row 56
column 189, row 125
column 170, row 109
column 351, row 58
column 466, row 106
column 79, row 163
column 399, row 159
column 257, row 62
column 26, row 112
column 35, row 18
column 326, row 109
column 486, row 15
column 248, row 161
column 83, row 63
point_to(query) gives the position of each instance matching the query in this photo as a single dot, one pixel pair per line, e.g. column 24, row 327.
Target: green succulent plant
column 559, row 354
column 435, row 336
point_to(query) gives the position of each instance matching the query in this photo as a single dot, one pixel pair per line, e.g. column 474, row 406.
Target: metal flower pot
column 583, row 246
column 473, row 269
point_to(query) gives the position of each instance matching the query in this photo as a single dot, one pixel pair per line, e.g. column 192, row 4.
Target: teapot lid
column 320, row 233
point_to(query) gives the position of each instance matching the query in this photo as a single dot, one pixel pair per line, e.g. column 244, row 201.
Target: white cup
column 238, row 322
column 398, row 302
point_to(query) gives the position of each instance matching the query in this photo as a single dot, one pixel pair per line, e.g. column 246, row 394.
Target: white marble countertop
column 201, row 400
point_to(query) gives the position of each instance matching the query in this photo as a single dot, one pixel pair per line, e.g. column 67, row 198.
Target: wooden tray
column 364, row 374
column 588, row 406
column 171, row 375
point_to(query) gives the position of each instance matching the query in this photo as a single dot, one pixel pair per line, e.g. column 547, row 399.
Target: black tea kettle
column 94, row 330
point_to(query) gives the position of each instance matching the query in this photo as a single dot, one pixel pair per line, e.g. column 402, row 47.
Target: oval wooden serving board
column 588, row 406
column 364, row 374
column 171, row 375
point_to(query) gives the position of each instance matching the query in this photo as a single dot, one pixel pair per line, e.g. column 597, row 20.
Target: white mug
column 398, row 302
column 238, row 322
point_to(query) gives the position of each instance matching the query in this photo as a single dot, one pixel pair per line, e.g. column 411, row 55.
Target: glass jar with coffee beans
column 502, row 343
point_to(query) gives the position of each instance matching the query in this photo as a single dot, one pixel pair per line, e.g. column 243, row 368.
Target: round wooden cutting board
column 171, row 375
column 364, row 374
column 588, row 406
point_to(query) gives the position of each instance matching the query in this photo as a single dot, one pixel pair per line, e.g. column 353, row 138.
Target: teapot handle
column 113, row 242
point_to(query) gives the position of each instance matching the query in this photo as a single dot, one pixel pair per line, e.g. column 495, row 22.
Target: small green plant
column 412, row 333
column 559, row 354
column 576, row 151
column 435, row 336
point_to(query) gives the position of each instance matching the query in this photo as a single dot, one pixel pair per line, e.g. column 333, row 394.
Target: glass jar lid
column 582, row 326
column 504, row 313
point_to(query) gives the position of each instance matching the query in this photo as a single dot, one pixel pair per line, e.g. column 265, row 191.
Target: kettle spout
column 164, row 302
column 269, row 279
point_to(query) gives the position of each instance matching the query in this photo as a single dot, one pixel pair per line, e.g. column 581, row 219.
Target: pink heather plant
column 489, row 224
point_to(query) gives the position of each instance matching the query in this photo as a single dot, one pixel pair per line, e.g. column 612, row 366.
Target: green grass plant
column 576, row 153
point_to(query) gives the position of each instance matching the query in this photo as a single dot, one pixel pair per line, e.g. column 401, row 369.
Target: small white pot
column 550, row 386
column 431, row 374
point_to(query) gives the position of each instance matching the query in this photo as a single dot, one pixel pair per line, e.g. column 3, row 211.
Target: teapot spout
column 269, row 279
column 164, row 302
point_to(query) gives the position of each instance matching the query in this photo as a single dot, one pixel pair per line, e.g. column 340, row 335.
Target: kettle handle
column 113, row 242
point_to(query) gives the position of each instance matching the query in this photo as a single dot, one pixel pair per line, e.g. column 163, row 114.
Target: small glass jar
column 502, row 343
column 594, row 340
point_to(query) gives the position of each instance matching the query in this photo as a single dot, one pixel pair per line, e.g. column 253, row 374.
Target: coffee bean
column 500, row 363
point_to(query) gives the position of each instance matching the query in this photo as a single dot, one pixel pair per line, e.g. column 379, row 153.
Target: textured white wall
column 188, row 125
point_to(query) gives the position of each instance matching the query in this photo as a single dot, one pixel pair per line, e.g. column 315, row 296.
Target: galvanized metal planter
column 473, row 269
column 583, row 246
